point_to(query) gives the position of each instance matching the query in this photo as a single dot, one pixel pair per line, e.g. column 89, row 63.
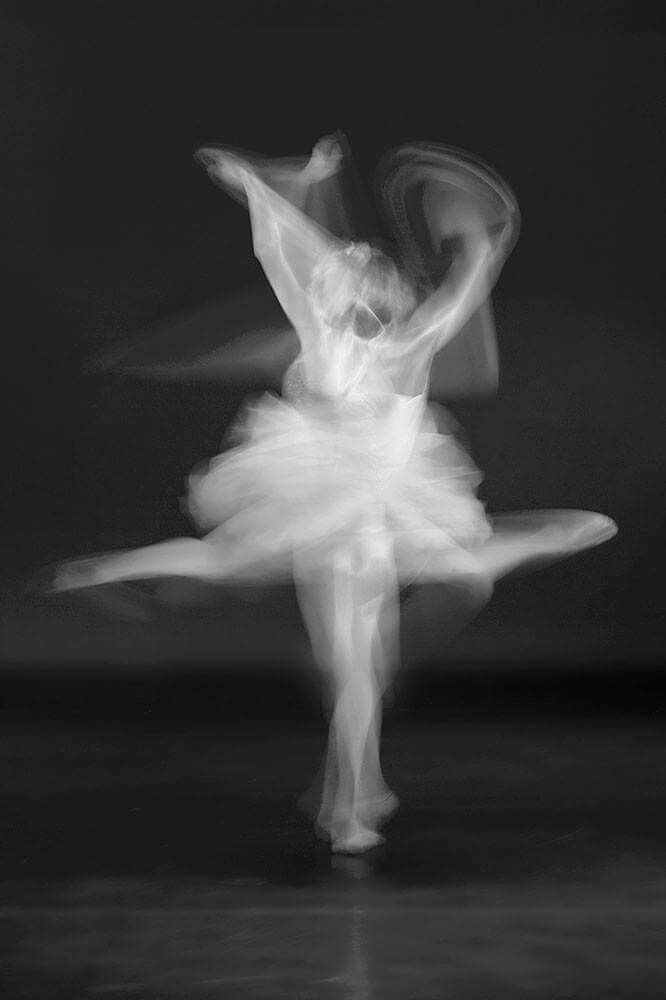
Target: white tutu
column 305, row 476
column 307, row 479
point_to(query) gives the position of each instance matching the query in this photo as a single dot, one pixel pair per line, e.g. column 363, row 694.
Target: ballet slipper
column 376, row 810
column 356, row 839
column 76, row 575
column 126, row 600
column 369, row 814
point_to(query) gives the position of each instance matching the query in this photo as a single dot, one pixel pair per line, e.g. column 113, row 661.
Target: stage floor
column 156, row 857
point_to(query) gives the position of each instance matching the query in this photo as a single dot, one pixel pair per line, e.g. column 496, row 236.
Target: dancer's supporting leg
column 348, row 611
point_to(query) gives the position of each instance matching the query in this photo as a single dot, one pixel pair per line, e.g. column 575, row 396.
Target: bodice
column 339, row 365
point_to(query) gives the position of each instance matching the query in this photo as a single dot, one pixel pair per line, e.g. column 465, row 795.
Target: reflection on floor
column 169, row 860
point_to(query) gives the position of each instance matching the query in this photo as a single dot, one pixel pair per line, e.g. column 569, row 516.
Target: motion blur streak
column 351, row 481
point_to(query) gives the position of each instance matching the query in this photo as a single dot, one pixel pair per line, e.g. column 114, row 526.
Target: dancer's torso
column 343, row 379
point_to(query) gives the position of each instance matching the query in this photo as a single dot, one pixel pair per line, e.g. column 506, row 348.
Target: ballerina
column 345, row 483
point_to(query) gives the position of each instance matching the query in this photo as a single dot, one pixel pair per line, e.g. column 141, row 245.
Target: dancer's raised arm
column 287, row 244
column 468, row 281
column 455, row 221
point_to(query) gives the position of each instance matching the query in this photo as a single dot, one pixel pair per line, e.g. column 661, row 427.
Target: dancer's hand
column 325, row 159
column 225, row 166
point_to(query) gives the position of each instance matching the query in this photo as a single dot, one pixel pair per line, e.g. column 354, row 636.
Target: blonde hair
column 360, row 275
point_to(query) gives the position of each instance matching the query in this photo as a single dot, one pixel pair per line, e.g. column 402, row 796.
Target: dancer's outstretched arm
column 287, row 244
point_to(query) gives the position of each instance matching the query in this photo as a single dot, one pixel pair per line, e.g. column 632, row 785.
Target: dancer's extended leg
column 178, row 557
column 539, row 537
column 526, row 538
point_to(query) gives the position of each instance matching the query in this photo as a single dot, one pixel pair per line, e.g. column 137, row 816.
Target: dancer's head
column 359, row 287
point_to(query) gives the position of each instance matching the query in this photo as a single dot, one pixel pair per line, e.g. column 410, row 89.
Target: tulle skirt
column 306, row 480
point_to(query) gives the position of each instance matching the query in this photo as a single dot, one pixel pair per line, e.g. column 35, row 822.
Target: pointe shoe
column 127, row 600
column 356, row 840
column 372, row 812
column 75, row 575
column 377, row 810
